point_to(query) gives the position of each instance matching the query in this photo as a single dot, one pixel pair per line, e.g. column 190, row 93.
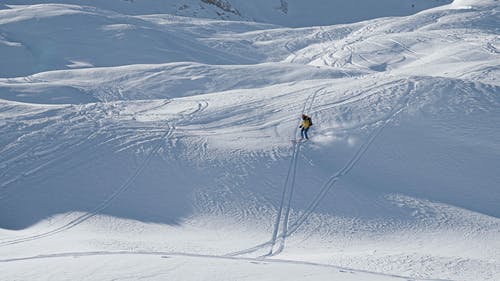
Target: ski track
column 220, row 257
column 306, row 109
column 67, row 151
column 288, row 192
column 288, row 207
column 357, row 156
column 167, row 133
column 104, row 204
column 283, row 226
column 328, row 185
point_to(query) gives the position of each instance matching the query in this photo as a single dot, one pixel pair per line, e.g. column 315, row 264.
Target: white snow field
column 137, row 144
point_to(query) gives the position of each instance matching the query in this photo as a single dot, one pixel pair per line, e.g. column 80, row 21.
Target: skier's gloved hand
column 300, row 126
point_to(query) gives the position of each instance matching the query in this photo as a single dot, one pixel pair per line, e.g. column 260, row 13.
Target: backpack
column 310, row 121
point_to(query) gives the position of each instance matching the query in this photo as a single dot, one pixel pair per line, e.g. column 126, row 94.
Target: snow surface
column 141, row 145
column 293, row 13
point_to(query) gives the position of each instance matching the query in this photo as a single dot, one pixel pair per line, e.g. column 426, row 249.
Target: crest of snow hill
column 170, row 126
column 281, row 12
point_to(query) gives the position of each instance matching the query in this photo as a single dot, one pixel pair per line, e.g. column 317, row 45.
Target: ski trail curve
column 104, row 204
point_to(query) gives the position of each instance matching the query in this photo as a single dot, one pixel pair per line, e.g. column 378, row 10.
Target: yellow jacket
column 306, row 123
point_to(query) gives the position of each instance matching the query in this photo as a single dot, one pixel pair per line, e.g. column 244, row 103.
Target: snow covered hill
column 282, row 12
column 140, row 144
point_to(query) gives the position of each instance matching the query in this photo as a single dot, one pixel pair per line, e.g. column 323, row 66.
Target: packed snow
column 157, row 142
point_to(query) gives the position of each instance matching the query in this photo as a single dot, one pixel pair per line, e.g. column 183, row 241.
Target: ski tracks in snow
column 283, row 212
column 162, row 254
column 286, row 230
column 104, row 204
column 168, row 132
column 282, row 227
column 290, row 178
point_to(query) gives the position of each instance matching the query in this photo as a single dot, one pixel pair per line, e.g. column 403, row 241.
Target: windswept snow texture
column 140, row 144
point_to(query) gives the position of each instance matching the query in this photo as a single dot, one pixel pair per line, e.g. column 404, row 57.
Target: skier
column 305, row 125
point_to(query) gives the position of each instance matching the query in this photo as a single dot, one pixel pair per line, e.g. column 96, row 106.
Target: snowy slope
column 148, row 146
column 282, row 12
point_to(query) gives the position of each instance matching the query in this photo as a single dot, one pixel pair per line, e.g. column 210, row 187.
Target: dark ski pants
column 303, row 133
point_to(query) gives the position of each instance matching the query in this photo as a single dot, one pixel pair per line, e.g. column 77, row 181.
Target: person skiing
column 305, row 125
